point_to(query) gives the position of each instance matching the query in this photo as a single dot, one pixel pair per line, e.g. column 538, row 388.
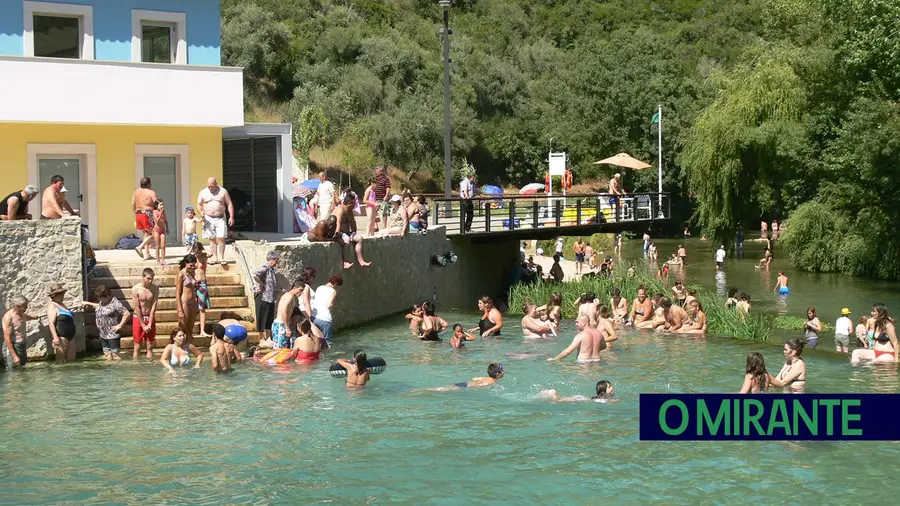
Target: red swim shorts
column 137, row 330
column 143, row 221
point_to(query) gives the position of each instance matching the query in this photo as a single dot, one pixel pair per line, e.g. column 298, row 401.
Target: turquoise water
column 127, row 433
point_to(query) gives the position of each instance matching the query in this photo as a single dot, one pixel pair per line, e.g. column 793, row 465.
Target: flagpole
column 659, row 166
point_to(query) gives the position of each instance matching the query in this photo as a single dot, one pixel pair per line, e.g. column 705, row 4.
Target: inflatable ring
column 277, row 357
column 376, row 364
column 237, row 333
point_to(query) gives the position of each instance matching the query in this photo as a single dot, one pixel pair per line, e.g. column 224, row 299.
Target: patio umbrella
column 312, row 184
column 531, row 188
column 301, row 191
column 492, row 190
column 624, row 160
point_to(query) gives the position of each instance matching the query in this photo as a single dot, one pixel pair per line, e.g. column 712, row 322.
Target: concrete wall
column 35, row 253
column 401, row 273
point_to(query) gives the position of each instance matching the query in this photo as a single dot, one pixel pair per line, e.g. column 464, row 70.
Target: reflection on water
column 721, row 284
column 92, row 432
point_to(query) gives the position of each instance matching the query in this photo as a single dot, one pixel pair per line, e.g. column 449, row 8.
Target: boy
column 189, row 227
column 459, row 338
column 495, row 372
column 222, row 350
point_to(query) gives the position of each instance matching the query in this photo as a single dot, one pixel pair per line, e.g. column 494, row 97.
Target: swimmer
column 178, row 352
column 861, row 332
column 415, row 320
column 696, row 321
column 743, row 305
column 307, row 347
column 605, row 390
column 221, row 350
column 589, row 342
column 545, row 319
column 674, row 316
column 691, row 295
column 431, row 325
column 641, row 308
column 792, row 377
column 495, row 372
column 756, row 379
column 605, row 326
column 781, row 284
column 553, row 307
column 358, row 370
column 460, row 336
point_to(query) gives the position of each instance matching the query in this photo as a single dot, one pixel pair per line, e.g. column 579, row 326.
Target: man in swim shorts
column 142, row 205
column 589, row 342
column 578, row 249
column 282, row 334
column 212, row 203
column 781, row 284
column 144, row 297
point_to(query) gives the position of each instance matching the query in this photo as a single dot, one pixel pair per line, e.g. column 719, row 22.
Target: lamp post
column 448, row 175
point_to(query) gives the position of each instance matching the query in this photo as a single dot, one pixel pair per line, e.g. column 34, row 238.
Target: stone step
column 168, row 292
column 163, row 329
column 161, row 341
column 167, row 280
column 170, row 303
column 117, row 270
column 171, row 315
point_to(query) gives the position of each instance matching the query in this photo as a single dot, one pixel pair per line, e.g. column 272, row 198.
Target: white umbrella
column 531, row 188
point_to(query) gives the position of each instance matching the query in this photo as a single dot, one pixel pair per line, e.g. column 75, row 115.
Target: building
column 105, row 92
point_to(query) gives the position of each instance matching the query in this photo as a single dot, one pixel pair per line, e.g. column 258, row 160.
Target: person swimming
column 495, row 372
column 358, row 370
column 605, row 390
column 460, row 336
column 756, row 378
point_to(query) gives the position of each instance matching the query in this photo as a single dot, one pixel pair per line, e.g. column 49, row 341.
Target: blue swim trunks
column 279, row 335
column 784, row 290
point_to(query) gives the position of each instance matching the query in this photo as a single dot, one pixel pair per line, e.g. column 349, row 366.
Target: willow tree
column 745, row 141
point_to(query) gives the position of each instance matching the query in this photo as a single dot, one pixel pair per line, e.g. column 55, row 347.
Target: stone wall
column 401, row 273
column 35, row 253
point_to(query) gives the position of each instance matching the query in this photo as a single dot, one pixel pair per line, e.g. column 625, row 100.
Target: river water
column 129, row 433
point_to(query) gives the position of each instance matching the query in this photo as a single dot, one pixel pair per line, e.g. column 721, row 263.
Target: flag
column 655, row 119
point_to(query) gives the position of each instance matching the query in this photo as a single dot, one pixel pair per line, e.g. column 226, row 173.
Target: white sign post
column 557, row 163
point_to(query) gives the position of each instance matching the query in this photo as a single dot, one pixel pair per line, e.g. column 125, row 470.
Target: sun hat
column 396, row 198
column 845, row 311
column 55, row 288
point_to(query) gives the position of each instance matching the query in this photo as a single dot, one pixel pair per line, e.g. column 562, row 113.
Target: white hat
column 618, row 175
column 396, row 198
column 63, row 190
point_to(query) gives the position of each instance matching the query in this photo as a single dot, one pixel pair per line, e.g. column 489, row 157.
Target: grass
column 720, row 319
column 797, row 323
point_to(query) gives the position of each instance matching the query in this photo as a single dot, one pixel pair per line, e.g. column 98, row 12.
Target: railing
column 501, row 213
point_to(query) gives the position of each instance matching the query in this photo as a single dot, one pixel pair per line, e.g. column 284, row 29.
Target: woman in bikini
column 431, row 325
column 885, row 348
column 178, row 352
column 186, row 295
column 307, row 347
column 792, row 377
column 491, row 319
column 532, row 327
column 203, row 302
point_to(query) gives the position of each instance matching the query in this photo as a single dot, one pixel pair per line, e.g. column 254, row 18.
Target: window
column 57, row 37
column 156, row 43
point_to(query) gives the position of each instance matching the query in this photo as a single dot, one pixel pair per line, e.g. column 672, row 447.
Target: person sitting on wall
column 324, row 230
column 52, row 199
column 345, row 232
column 15, row 205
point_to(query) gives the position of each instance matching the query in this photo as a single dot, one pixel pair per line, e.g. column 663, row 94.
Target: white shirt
column 321, row 311
column 325, row 193
column 646, row 237
column 465, row 189
column 844, row 326
column 559, row 245
column 720, row 255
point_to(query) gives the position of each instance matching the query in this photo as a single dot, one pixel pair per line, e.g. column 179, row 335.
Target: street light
column 448, row 176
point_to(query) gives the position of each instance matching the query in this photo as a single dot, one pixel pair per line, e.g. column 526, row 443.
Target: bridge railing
column 507, row 213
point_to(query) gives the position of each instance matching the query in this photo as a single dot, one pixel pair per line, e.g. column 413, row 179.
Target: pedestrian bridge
column 545, row 217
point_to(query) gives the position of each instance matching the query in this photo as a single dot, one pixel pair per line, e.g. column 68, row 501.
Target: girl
column 357, row 370
column 861, row 331
column 111, row 316
column 179, row 351
column 459, row 338
column 203, row 302
column 811, row 328
column 756, row 379
column 619, row 306
column 189, row 227
column 186, row 295
column 743, row 305
column 371, row 207
column 732, row 300
column 792, row 377
column 697, row 322
column 415, row 320
column 884, row 349
column 160, row 230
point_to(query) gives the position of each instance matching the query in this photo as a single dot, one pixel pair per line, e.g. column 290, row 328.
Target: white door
column 163, row 174
column 70, row 168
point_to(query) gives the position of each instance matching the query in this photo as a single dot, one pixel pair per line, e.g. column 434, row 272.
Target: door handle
column 80, row 197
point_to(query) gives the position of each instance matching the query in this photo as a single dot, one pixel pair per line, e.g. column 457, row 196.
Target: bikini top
column 188, row 280
column 883, row 338
column 174, row 358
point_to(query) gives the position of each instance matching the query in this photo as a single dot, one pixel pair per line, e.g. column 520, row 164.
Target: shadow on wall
column 401, row 273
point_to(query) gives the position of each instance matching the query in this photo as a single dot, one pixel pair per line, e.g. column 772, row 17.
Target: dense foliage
column 773, row 109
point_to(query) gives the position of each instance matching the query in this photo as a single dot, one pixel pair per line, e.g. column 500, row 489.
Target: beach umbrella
column 312, row 184
column 301, row 191
column 531, row 188
column 492, row 190
column 624, row 160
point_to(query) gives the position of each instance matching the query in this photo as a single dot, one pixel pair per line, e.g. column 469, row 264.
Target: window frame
column 84, row 14
column 175, row 21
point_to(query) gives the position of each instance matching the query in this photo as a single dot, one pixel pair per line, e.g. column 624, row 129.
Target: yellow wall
column 115, row 164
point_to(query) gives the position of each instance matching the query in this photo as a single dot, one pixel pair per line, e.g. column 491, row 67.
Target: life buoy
column 547, row 183
column 377, row 365
column 567, row 180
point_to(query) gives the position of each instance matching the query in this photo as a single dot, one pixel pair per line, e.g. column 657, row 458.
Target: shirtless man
column 282, row 335
column 605, row 326
column 15, row 205
column 781, row 284
column 641, row 308
column 222, row 350
column 615, row 190
column 144, row 298
column 578, row 249
column 589, row 308
column 589, row 342
column 14, row 351
column 212, row 203
column 323, row 231
column 51, row 200
column 142, row 206
column 675, row 315
column 345, row 232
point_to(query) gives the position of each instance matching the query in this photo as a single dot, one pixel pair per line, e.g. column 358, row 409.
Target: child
column 756, row 379
column 222, row 350
column 605, row 390
column 415, row 320
column 111, row 316
column 203, row 302
column 545, row 318
column 357, row 371
column 160, row 230
column 495, row 372
column 459, row 338
column 189, row 227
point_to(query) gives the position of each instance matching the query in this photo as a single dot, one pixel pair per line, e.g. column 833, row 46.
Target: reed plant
column 721, row 320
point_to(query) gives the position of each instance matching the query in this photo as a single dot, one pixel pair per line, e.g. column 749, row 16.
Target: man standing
column 615, row 191
column 15, row 205
column 720, row 257
column 345, row 233
column 589, row 342
column 144, row 297
column 578, row 249
column 467, row 193
column 325, row 197
column 14, row 351
column 282, row 336
column 382, row 192
column 559, row 246
column 51, row 207
column 781, row 284
column 142, row 206
column 212, row 203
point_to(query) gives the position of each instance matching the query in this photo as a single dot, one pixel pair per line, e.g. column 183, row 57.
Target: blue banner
column 838, row 417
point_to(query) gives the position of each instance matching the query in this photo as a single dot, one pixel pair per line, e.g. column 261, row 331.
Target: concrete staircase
column 227, row 295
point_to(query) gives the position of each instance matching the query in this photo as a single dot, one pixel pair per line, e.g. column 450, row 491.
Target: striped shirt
column 382, row 186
